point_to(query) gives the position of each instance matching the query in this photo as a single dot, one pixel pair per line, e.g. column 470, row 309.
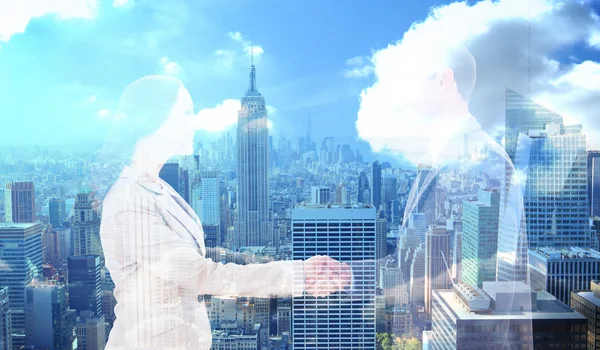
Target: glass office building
column 340, row 321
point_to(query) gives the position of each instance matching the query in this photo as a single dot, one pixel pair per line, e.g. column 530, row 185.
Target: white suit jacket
column 153, row 244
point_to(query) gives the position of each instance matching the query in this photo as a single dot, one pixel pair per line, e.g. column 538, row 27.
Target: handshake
column 324, row 276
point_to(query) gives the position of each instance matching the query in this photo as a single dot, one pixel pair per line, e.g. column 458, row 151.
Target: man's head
column 420, row 88
column 435, row 78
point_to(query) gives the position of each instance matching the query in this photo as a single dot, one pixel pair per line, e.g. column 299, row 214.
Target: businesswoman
column 153, row 241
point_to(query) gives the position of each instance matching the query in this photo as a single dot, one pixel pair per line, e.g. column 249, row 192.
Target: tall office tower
column 51, row 252
column 376, row 185
column 480, row 237
column 307, row 130
column 552, row 158
column 48, row 324
column 84, row 284
column 418, row 221
column 587, row 303
column 593, row 169
column 57, row 212
column 522, row 115
column 170, row 174
column 437, row 262
column 388, row 193
column 381, row 237
column 320, row 195
column 21, row 255
column 210, row 208
column 457, row 256
column 345, row 233
column 91, row 332
column 253, row 222
column 19, row 202
column 5, row 321
column 342, row 194
column 561, row 271
column 465, row 146
column 426, row 184
column 503, row 315
column 363, row 185
column 86, row 227
column 184, row 185
column 64, row 243
column 417, row 278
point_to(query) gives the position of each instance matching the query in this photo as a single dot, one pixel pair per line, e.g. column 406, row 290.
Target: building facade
column 22, row 255
column 560, row 271
column 345, row 233
column 503, row 315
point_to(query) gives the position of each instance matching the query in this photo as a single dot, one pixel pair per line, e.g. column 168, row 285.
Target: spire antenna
column 252, row 52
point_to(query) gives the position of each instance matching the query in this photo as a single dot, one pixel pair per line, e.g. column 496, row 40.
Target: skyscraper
column 593, row 168
column 5, row 321
column 376, row 185
column 555, row 196
column 48, row 323
column 57, row 212
column 363, row 185
column 437, row 262
column 86, row 228
column 84, row 284
column 21, row 255
column 552, row 161
column 480, row 238
column 425, row 193
column 253, row 222
column 345, row 233
column 19, row 202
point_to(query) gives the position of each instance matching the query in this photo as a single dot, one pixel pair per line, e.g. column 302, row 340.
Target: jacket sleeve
column 148, row 241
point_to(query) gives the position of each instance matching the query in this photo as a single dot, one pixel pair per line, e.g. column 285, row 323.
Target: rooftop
column 566, row 253
column 589, row 296
column 548, row 307
column 5, row 225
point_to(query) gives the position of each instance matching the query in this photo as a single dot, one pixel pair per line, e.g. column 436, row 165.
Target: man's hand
column 324, row 275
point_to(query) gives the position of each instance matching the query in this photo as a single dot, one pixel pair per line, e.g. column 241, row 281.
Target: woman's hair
column 143, row 107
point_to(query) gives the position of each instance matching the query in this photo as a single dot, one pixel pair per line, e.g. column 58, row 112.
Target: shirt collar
column 144, row 179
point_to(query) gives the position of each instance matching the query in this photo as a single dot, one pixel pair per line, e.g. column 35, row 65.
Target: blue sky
column 62, row 74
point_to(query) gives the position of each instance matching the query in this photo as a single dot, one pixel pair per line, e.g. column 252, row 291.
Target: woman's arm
column 146, row 240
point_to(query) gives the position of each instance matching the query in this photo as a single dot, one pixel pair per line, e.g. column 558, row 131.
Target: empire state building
column 253, row 221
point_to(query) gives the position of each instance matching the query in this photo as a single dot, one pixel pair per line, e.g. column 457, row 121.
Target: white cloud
column 121, row 3
column 247, row 46
column 497, row 35
column 360, row 67
column 219, row 118
column 103, row 114
column 169, row 67
column 16, row 15
column 224, row 116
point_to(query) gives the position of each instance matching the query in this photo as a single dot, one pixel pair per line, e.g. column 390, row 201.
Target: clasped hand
column 324, row 275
